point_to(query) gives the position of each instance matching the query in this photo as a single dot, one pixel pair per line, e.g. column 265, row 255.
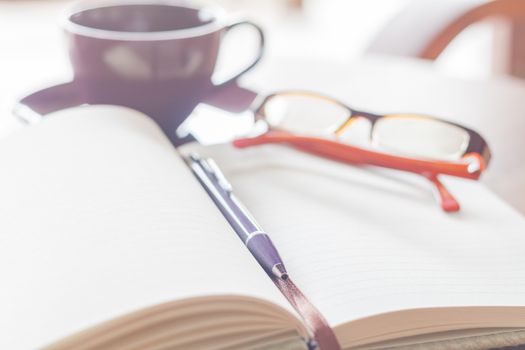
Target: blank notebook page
column 363, row 241
column 101, row 217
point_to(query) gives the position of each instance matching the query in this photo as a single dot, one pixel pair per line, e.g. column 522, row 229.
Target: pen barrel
column 264, row 251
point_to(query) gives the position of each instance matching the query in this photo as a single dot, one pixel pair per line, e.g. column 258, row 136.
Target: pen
column 243, row 223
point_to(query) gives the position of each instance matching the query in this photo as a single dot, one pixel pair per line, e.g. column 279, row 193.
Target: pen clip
column 219, row 176
column 213, row 169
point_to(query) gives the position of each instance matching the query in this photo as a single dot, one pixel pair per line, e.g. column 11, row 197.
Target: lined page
column 100, row 217
column 363, row 241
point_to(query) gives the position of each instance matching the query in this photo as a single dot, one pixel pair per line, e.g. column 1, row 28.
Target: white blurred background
column 32, row 54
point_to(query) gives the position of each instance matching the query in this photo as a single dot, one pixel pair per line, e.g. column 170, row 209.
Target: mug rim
column 218, row 21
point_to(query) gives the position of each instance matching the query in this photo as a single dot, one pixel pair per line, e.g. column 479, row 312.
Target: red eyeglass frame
column 473, row 162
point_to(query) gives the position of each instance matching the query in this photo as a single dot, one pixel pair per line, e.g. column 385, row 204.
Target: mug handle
column 259, row 53
column 33, row 107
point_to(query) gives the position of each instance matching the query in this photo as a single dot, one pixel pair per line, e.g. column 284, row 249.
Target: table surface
column 33, row 56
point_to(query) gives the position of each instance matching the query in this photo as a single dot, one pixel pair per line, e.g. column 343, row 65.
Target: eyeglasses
column 415, row 143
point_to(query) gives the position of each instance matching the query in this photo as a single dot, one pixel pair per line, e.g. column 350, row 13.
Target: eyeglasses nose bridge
column 341, row 129
column 352, row 118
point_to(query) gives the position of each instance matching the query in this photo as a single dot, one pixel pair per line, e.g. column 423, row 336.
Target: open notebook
column 109, row 242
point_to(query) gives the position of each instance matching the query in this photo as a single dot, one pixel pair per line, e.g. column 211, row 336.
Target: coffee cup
column 156, row 56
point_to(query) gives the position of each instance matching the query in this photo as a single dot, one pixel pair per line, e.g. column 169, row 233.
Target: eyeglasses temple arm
column 269, row 138
column 446, row 200
column 354, row 155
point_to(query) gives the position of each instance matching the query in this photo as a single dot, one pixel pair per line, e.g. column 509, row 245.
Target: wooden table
column 33, row 56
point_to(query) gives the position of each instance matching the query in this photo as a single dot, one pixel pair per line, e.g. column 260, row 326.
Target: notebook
column 110, row 242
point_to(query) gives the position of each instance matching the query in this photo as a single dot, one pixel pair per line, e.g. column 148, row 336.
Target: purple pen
column 242, row 222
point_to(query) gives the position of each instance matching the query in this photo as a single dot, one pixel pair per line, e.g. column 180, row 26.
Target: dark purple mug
column 155, row 56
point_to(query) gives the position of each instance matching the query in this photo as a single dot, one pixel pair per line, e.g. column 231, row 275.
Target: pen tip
column 280, row 272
